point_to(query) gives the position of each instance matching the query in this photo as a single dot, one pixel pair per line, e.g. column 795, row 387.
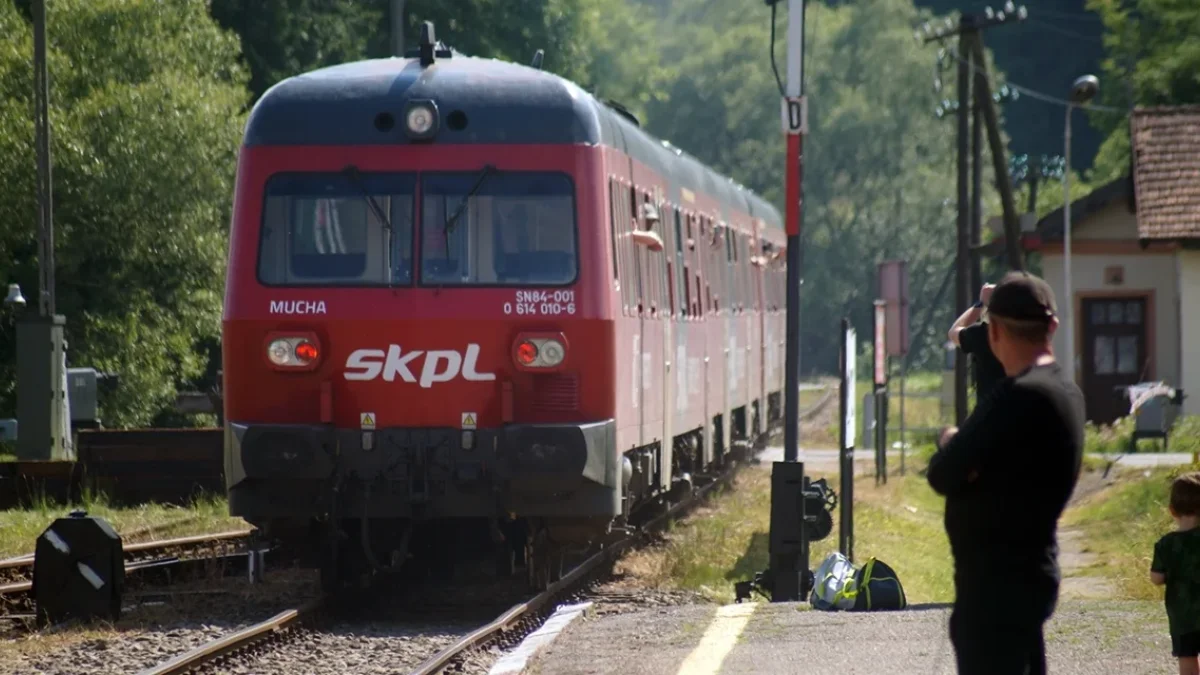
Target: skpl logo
column 440, row 365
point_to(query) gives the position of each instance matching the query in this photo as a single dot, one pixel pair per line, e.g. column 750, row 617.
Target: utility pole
column 976, row 193
column 970, row 57
column 789, row 541
column 398, row 28
column 1035, row 177
column 44, row 431
column 962, row 291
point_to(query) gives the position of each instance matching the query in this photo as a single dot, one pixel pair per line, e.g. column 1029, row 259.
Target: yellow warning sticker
column 468, row 420
column 366, row 420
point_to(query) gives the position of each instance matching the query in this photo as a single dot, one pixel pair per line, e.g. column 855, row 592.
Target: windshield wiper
column 355, row 176
column 453, row 219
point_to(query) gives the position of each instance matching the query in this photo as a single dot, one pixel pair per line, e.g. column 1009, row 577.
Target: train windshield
column 331, row 229
column 513, row 229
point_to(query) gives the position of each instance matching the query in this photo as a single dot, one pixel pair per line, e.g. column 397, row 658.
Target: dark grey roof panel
column 504, row 103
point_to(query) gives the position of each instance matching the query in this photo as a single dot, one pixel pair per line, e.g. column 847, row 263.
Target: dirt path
column 1073, row 555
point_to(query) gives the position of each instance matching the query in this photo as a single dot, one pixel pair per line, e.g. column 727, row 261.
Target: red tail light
column 540, row 351
column 527, row 353
column 293, row 351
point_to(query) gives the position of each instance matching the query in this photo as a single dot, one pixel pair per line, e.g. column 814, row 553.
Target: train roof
column 500, row 102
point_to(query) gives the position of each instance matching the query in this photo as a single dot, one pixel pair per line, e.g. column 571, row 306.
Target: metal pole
column 1065, row 304
column 398, row 28
column 788, row 565
column 1035, row 177
column 962, row 294
column 976, row 195
column 46, row 300
column 845, row 448
column 903, row 376
column 794, row 173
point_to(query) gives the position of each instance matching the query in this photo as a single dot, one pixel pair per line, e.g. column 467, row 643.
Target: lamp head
column 15, row 299
column 1084, row 89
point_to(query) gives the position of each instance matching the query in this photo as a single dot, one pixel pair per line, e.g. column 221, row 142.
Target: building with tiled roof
column 1135, row 267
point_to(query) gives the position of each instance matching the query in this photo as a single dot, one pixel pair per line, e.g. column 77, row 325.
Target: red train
column 464, row 293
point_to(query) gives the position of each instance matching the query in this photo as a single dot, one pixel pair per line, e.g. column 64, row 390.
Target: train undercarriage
column 351, row 550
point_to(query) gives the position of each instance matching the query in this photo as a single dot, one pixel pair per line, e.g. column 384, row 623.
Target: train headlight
column 540, row 351
column 552, row 352
column 280, row 352
column 293, row 351
column 421, row 119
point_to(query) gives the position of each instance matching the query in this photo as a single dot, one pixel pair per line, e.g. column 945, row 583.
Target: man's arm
column 960, row 458
column 970, row 316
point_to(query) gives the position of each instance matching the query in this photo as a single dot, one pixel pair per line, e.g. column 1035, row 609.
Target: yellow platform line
column 718, row 640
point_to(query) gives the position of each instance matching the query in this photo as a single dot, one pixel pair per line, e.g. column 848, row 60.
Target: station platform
column 1084, row 637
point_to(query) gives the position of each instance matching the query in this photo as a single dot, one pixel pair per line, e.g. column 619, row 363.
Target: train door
column 701, row 251
column 652, row 312
column 671, row 365
column 733, row 289
column 682, row 330
column 761, row 285
column 636, row 312
column 718, row 342
column 627, row 325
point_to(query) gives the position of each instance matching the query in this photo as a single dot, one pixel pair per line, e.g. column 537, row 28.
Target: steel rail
column 26, row 560
column 815, row 408
column 520, row 611
column 26, row 586
column 254, row 634
column 239, row 640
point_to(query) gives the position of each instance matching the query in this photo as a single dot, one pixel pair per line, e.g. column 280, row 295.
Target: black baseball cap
column 1022, row 296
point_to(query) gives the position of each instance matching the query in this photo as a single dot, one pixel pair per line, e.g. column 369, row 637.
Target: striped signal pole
column 789, row 540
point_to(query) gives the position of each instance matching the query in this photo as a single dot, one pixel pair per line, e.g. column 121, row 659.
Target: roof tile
column 1166, row 169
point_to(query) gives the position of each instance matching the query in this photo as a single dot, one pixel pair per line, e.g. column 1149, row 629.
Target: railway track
column 286, row 629
column 16, row 574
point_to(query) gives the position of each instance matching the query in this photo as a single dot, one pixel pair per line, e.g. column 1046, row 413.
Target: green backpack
column 877, row 588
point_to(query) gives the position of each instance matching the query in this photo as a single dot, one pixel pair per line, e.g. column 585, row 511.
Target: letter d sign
column 795, row 115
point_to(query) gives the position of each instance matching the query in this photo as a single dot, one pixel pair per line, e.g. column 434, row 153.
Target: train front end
column 414, row 350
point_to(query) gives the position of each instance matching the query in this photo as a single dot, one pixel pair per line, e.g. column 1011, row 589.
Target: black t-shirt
column 1177, row 555
column 987, row 369
column 1007, row 475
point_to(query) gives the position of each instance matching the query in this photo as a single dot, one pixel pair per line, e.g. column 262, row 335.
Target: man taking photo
column 970, row 334
column 1007, row 475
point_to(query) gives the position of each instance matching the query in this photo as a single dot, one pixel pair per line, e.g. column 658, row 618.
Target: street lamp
column 1082, row 91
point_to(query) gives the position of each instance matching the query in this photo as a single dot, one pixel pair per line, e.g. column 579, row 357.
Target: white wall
column 1143, row 272
column 1189, row 328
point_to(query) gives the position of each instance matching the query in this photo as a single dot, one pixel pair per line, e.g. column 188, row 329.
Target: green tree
column 282, row 38
column 145, row 124
column 1152, row 58
column 878, row 165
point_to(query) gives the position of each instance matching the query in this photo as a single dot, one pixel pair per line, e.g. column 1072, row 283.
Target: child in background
column 1177, row 564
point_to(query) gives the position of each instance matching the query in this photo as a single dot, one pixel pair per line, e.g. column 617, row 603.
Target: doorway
column 1115, row 353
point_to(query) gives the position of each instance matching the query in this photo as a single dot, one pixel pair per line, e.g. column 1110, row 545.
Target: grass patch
column 19, row 528
column 727, row 541
column 1138, row 501
column 924, row 412
column 1114, row 438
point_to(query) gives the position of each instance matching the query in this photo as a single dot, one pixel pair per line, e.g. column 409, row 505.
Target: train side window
column 680, row 265
column 749, row 276
column 614, row 209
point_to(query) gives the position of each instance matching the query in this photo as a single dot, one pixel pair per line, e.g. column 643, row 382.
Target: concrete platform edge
column 515, row 661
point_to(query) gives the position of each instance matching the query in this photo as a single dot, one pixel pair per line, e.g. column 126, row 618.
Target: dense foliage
column 145, row 116
column 149, row 98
